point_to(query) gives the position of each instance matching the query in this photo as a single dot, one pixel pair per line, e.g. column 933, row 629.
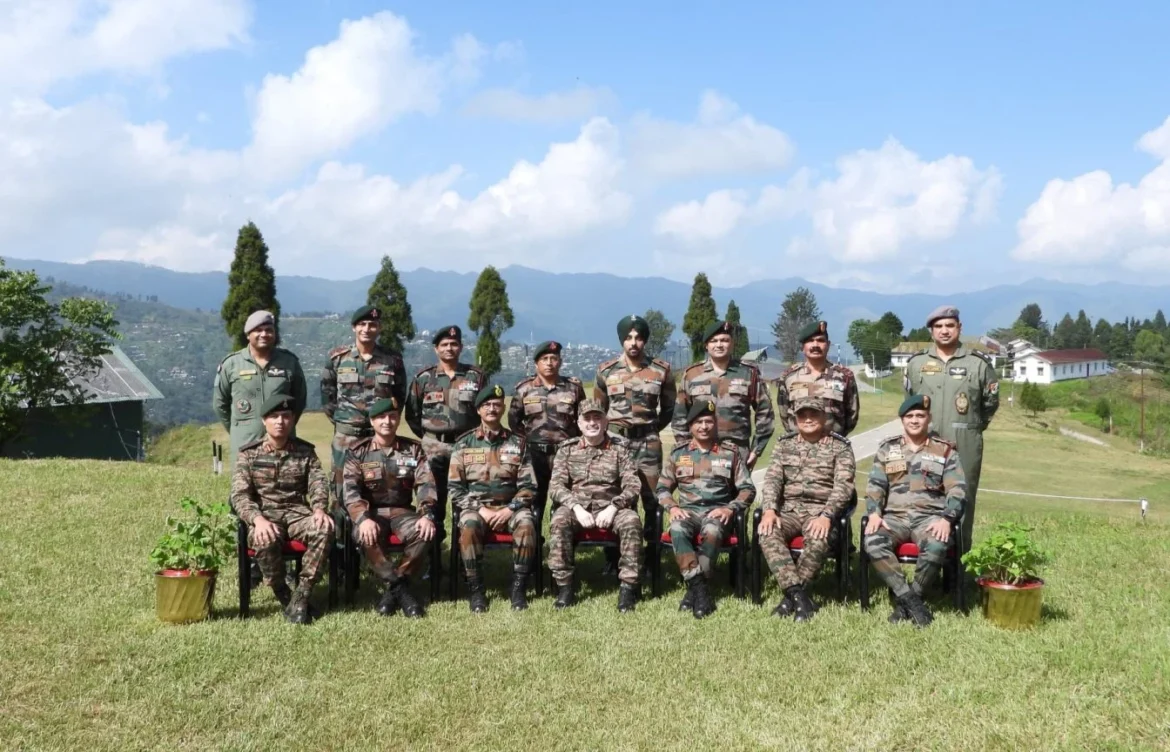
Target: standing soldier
column 381, row 475
column 713, row 484
column 638, row 394
column 280, row 493
column 354, row 377
column 736, row 389
column 492, row 484
column 441, row 408
column 832, row 383
column 544, row 413
column 964, row 395
column 246, row 379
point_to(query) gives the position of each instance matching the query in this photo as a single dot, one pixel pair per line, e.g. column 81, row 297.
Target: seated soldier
column 916, row 492
column 379, row 477
column 595, row 484
column 492, row 483
column 713, row 484
column 279, row 491
column 808, row 483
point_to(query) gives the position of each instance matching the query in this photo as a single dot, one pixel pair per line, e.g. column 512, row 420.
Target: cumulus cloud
column 554, row 107
column 711, row 219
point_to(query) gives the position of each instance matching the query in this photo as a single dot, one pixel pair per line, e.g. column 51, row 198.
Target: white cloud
column 720, row 141
column 713, row 218
column 558, row 106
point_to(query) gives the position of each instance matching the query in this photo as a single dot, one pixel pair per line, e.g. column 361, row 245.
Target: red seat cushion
column 907, row 549
column 595, row 535
column 729, row 542
column 796, row 544
column 291, row 547
column 394, row 540
column 492, row 537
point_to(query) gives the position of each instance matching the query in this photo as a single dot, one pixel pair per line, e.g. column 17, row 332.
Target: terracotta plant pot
column 1012, row 606
column 183, row 596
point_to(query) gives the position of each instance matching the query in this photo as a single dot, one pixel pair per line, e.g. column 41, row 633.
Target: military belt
column 345, row 429
column 542, row 447
column 446, row 437
column 636, row 432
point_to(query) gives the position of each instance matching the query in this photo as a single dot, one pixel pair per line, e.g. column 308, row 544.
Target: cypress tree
column 251, row 285
column 388, row 294
column 700, row 315
column 739, row 346
column 491, row 316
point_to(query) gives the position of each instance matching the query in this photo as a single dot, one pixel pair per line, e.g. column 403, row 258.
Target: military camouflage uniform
column 492, row 472
column 545, row 417
column 736, row 392
column 640, row 403
column 706, row 480
column 439, row 409
column 378, row 485
column 836, row 387
column 285, row 486
column 349, row 385
column 804, row 481
column 964, row 395
column 595, row 477
column 910, row 490
column 242, row 386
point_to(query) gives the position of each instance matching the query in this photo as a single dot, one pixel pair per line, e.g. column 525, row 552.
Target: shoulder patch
column 476, row 369
column 521, row 383
column 251, row 444
column 692, row 367
column 338, row 351
column 425, row 370
column 303, row 443
column 791, row 369
column 789, row 435
column 982, row 356
column 915, row 355
column 661, row 364
column 839, row 437
column 464, row 435
column 569, row 442
column 363, row 444
column 407, row 443
column 573, row 380
column 608, row 364
column 289, row 353
column 890, row 439
column 748, row 366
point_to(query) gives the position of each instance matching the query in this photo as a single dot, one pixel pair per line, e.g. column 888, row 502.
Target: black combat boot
column 627, row 597
column 519, row 592
column 282, row 593
column 255, row 577
column 611, row 562
column 411, row 608
column 898, row 614
column 916, row 610
column 702, row 604
column 688, row 600
column 298, row 608
column 805, row 608
column 388, row 603
column 565, row 596
column 785, row 608
column 476, row 598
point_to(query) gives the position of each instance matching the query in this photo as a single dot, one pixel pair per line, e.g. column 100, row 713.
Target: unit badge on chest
column 962, row 403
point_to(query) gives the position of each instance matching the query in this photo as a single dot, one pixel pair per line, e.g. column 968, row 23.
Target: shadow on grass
column 1052, row 613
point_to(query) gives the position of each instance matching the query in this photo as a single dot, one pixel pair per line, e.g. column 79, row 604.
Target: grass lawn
column 86, row 665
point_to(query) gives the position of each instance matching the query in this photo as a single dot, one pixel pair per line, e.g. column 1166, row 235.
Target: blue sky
column 903, row 147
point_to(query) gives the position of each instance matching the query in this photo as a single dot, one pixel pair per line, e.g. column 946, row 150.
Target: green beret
column 812, row 329
column 277, row 402
column 547, row 348
column 699, row 408
column 914, row 402
column 384, row 405
column 719, row 327
column 447, row 332
column 495, row 391
column 635, row 322
column 366, row 312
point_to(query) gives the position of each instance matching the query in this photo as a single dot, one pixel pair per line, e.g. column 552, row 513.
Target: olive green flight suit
column 242, row 386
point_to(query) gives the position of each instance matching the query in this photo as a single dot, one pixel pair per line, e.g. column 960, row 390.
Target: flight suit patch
column 962, row 403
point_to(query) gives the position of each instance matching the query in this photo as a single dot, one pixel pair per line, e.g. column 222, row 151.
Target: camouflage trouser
column 562, row 550
column 647, row 455
column 341, row 443
column 472, row 529
column 710, row 533
column 439, row 458
column 403, row 522
column 271, row 557
column 906, row 527
column 774, row 546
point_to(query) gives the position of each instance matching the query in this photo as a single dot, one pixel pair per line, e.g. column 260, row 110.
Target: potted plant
column 187, row 559
column 1006, row 565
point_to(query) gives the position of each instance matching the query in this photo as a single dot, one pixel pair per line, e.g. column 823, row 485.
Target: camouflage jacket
column 546, row 416
column 642, row 396
column 595, row 476
column 964, row 391
column 377, row 477
column 281, row 484
column 836, row 387
column 442, row 404
column 928, row 480
column 494, row 471
column 736, row 393
column 242, row 386
column 350, row 384
column 705, row 478
column 801, row 472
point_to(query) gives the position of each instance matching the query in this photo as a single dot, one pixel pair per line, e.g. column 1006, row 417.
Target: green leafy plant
column 1008, row 555
column 200, row 543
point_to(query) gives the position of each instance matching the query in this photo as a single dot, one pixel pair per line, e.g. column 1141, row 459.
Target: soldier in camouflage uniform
column 279, row 491
column 595, row 485
column 544, row 413
column 354, row 377
column 737, row 390
column 246, row 378
column 809, row 482
column 381, row 474
column 440, row 408
column 916, row 492
column 492, row 485
column 713, row 484
column 833, row 384
column 638, row 393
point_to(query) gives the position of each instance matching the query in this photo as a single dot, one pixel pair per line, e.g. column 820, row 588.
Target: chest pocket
column 700, row 390
column 373, row 473
column 533, row 405
column 833, row 390
column 737, row 389
column 384, row 378
column 652, row 388
column 349, row 377
column 432, row 398
column 721, row 471
column 466, row 392
column 686, row 472
column 566, row 404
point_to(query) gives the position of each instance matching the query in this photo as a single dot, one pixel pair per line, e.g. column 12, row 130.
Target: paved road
column 865, row 445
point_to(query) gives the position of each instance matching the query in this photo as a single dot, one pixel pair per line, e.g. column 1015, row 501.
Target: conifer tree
column 251, row 285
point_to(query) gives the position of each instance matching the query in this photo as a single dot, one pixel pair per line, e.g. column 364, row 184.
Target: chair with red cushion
column 293, row 550
column 351, row 558
column 907, row 553
column 839, row 553
column 735, row 545
column 491, row 540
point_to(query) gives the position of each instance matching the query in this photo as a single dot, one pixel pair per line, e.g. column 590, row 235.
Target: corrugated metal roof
column 1062, row 357
column 119, row 380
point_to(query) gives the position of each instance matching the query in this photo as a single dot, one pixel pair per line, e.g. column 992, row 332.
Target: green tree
column 740, row 343
column 388, row 293
column 1031, row 317
column 872, row 342
column 1104, row 411
column 798, row 309
column 251, row 285
column 491, row 316
column 1121, row 343
column 1102, row 334
column 1160, row 322
column 1149, row 346
column 47, row 349
column 921, row 334
column 891, row 323
column 1032, row 398
column 700, row 315
column 1083, row 330
column 1064, row 335
column 660, row 331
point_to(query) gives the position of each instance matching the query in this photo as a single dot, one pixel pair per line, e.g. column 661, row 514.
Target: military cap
column 808, row 403
column 635, row 322
column 258, row 319
column 699, row 408
column 914, row 402
column 942, row 312
column 384, row 405
column 550, row 347
column 590, row 406
column 373, row 313
column 719, row 327
column 447, row 332
column 494, row 391
column 812, row 329
column 277, row 402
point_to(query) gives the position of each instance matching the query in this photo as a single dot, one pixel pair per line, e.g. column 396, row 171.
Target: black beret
column 384, row 405
column 372, row 313
column 277, row 402
column 699, row 408
column 812, row 329
column 635, row 322
column 719, row 327
column 447, row 332
column 914, row 402
column 494, row 391
column 545, row 348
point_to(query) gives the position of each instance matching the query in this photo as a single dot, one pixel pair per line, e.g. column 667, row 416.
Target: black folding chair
column 294, row 550
column 352, row 559
column 839, row 553
column 735, row 545
column 907, row 553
